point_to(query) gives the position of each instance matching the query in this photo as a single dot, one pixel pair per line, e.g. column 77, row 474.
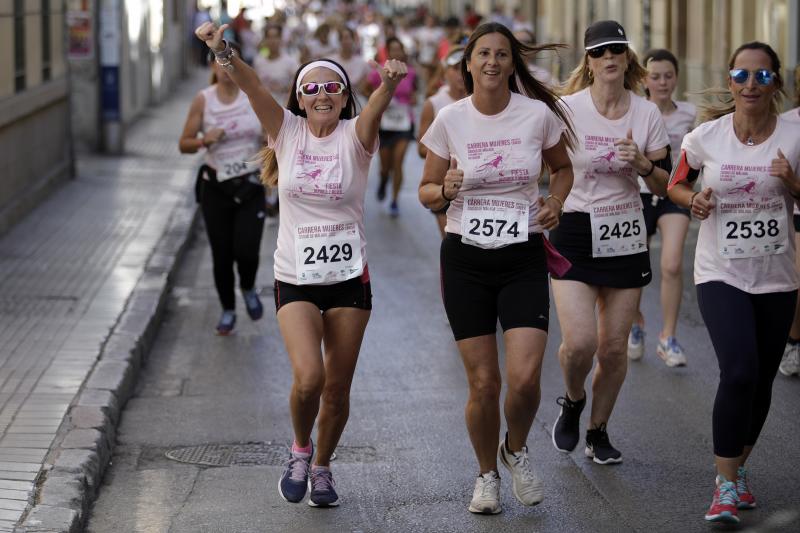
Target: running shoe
column 382, row 188
column 294, row 480
column 566, row 431
column 671, row 352
column 527, row 486
column 599, row 447
column 394, row 211
column 723, row 506
column 321, row 488
column 636, row 343
column 790, row 364
column 226, row 323
column 486, row 496
column 746, row 498
column 253, row 304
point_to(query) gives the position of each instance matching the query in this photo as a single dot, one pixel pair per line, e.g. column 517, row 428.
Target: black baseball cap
column 604, row 32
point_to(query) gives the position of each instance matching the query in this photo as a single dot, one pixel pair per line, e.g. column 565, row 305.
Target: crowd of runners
column 292, row 119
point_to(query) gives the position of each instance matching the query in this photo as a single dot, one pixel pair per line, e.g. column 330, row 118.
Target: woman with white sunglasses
column 744, row 262
column 319, row 155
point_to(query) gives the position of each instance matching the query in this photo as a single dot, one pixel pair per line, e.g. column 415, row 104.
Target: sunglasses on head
column 454, row 59
column 616, row 49
column 330, row 87
column 762, row 75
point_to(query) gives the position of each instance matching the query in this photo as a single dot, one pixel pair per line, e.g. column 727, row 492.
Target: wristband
column 445, row 196
column 225, row 56
column 691, row 201
column 652, row 168
column 557, row 199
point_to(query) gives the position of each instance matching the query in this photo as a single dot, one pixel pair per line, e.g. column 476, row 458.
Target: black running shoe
column 599, row 448
column 382, row 188
column 566, row 430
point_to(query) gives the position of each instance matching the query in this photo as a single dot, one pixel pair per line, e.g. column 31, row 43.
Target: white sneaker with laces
column 527, row 486
column 671, row 352
column 636, row 343
column 790, row 363
column 486, row 496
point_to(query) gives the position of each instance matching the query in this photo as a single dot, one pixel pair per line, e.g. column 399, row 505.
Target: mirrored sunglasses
column 763, row 76
column 616, row 49
column 330, row 87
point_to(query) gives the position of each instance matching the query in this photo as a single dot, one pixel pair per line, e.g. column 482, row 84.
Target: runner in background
column 222, row 122
column 355, row 66
column 543, row 75
column 397, row 126
column 451, row 91
column 620, row 136
column 661, row 213
column 428, row 38
column 790, row 363
column 744, row 263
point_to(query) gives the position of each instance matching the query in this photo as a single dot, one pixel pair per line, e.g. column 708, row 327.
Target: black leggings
column 234, row 232
column 749, row 332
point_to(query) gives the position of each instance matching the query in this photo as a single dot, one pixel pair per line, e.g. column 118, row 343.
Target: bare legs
column 321, row 386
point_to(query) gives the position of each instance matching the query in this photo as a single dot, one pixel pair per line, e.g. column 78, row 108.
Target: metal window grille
column 46, row 40
column 19, row 45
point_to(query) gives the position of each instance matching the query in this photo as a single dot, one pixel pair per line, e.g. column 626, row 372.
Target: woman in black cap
column 620, row 136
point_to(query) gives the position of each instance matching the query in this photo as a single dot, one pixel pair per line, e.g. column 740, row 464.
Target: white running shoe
column 671, row 352
column 527, row 486
column 486, row 496
column 636, row 343
column 790, row 364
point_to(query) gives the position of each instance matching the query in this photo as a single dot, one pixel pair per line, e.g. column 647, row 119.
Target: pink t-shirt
column 744, row 192
column 277, row 75
column 236, row 154
column 321, row 182
column 601, row 178
column 404, row 90
column 501, row 155
column 793, row 115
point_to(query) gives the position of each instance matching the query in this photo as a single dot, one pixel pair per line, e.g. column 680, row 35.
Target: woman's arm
column 438, row 176
column 658, row 178
column 561, row 178
column 189, row 142
column 392, row 73
column 425, row 120
column 268, row 110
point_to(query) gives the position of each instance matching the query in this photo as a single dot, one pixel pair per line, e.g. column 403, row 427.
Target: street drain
column 258, row 454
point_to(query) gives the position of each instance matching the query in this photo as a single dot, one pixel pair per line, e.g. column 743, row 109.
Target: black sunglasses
column 616, row 49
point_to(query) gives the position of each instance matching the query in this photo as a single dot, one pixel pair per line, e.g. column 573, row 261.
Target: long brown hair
column 719, row 100
column 582, row 77
column 269, row 163
column 530, row 86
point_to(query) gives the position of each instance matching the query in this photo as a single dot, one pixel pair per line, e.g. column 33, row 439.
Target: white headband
column 314, row 64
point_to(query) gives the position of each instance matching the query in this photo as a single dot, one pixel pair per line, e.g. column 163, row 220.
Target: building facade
column 34, row 105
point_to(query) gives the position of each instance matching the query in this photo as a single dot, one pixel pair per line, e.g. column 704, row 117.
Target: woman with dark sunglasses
column 485, row 154
column 319, row 155
column 621, row 136
column 660, row 213
column 451, row 91
column 790, row 363
column 744, row 266
column 222, row 122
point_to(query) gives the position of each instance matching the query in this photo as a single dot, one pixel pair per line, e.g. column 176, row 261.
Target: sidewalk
column 82, row 282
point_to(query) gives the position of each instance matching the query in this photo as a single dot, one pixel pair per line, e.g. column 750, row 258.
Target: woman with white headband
column 318, row 155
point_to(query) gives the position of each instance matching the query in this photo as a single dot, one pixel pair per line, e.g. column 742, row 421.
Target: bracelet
column 225, row 56
column 691, row 201
column 652, row 168
column 445, row 196
column 557, row 199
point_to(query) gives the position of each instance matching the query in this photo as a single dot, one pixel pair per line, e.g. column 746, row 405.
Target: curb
column 74, row 467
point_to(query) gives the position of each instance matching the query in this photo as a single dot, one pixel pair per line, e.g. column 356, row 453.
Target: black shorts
column 481, row 286
column 356, row 292
column 663, row 206
column 573, row 239
column 796, row 223
column 388, row 138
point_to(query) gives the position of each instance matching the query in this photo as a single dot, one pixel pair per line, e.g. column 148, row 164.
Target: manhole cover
column 258, row 454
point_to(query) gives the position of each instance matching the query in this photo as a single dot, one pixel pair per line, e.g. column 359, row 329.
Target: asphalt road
column 405, row 462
